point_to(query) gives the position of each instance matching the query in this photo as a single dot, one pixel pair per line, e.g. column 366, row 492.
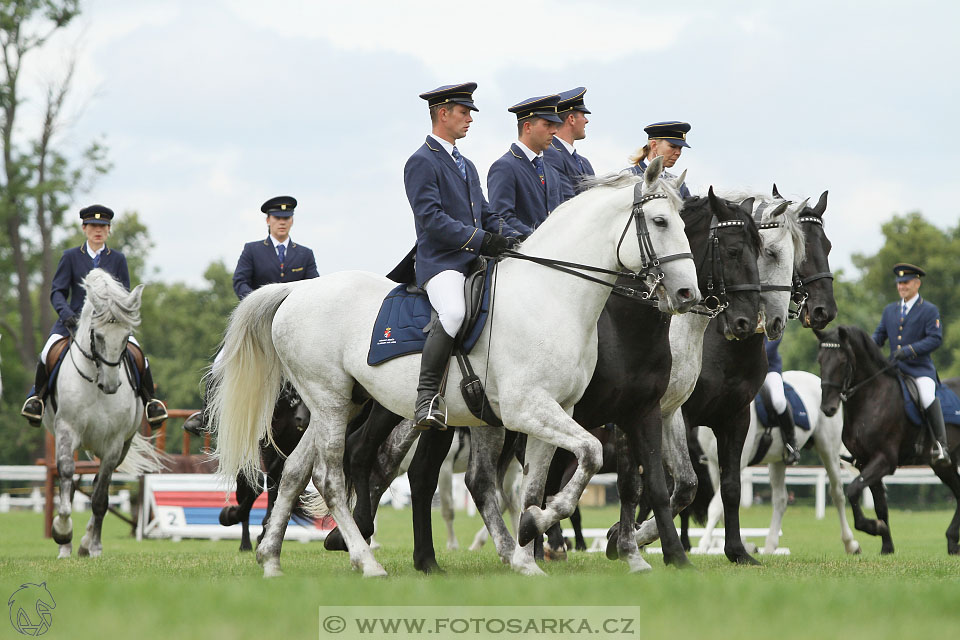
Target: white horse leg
column 676, row 457
column 714, row 516
column 329, row 479
column 63, row 523
column 486, row 443
column 830, row 456
column 296, row 474
column 778, row 491
column 90, row 544
column 445, row 487
column 537, row 459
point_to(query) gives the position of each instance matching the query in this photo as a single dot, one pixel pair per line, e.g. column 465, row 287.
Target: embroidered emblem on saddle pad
column 800, row 417
column 405, row 312
column 949, row 405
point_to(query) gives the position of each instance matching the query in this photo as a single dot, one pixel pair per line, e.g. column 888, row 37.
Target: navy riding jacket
column 566, row 165
column 259, row 264
column 450, row 214
column 515, row 189
column 67, row 293
column 919, row 334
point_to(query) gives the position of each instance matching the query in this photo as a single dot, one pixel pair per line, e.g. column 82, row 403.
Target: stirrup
column 155, row 420
column 790, row 454
column 195, row 424
column 432, row 419
column 33, row 418
column 939, row 455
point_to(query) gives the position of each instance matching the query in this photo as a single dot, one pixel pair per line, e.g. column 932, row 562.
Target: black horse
column 290, row 419
column 876, row 430
column 733, row 372
column 632, row 373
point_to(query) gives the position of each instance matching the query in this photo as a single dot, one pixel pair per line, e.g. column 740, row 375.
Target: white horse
column 98, row 409
column 825, row 431
column 537, row 352
column 782, row 250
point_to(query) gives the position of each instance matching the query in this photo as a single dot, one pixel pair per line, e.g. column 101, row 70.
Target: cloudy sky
column 210, row 107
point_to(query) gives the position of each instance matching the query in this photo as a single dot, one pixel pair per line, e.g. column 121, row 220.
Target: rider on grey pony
column 74, row 266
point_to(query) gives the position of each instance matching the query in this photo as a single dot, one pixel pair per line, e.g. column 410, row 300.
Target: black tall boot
column 939, row 453
column 155, row 411
column 196, row 424
column 433, row 364
column 791, row 455
column 33, row 408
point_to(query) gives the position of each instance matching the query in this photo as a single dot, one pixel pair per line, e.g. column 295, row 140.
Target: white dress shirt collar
column 90, row 252
column 909, row 303
column 443, row 143
column 277, row 243
column 566, row 145
column 527, row 151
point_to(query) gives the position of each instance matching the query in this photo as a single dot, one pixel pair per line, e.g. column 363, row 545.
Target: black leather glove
column 900, row 354
column 71, row 323
column 493, row 244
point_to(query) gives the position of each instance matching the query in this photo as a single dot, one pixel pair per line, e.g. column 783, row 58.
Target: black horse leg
column 621, row 542
column 948, row 475
column 360, row 455
column 424, row 473
column 580, row 544
column 883, row 515
column 872, row 473
column 246, row 496
column 730, row 439
column 558, row 546
column 685, row 530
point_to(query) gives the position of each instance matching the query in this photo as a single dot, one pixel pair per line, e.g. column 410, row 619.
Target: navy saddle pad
column 949, row 404
column 398, row 330
column 800, row 417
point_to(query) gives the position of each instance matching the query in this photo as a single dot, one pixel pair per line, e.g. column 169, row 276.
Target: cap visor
column 280, row 214
column 678, row 142
column 550, row 117
column 94, row 221
column 467, row 104
column 906, row 278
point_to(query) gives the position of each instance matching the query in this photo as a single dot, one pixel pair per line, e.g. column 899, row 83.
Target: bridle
column 758, row 216
column 94, row 356
column 716, row 300
column 845, row 390
column 799, row 290
column 650, row 271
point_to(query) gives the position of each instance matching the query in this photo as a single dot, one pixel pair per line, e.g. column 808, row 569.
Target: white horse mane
column 109, row 299
column 790, row 225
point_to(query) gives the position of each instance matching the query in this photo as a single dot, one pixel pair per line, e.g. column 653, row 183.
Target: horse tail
column 310, row 505
column 245, row 383
column 143, row 457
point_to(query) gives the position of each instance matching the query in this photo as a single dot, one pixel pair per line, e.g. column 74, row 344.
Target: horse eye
column 771, row 253
column 660, row 221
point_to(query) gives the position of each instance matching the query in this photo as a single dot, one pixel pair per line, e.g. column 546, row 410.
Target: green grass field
column 203, row 589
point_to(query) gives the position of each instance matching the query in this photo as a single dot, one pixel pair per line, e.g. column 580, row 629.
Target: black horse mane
column 865, row 348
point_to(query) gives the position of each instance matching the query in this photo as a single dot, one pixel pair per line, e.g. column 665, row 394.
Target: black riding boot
column 791, row 455
column 154, row 409
column 196, row 424
column 33, row 408
column 433, row 364
column 939, row 454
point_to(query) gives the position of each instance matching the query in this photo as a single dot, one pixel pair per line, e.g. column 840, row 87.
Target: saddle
column 135, row 357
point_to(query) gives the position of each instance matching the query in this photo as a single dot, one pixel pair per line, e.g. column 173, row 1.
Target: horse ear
column 842, row 330
column 654, row 169
column 679, row 181
column 136, row 294
column 779, row 209
column 776, row 194
column 713, row 200
column 821, row 205
column 747, row 206
column 803, row 205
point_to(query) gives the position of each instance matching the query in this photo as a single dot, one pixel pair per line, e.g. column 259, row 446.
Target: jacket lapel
column 445, row 158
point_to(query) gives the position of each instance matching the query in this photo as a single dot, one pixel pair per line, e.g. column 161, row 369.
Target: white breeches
column 773, row 383
column 927, row 388
column 445, row 291
column 54, row 337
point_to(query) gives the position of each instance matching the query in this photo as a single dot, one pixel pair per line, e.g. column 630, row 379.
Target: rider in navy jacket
column 666, row 139
column 561, row 154
column 913, row 327
column 67, row 296
column 275, row 259
column 514, row 181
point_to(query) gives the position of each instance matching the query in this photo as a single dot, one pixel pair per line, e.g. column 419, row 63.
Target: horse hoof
column 555, row 556
column 65, row 551
column 527, row 530
column 245, row 547
column 334, row 541
column 638, row 564
column 429, row 567
column 611, row 551
column 854, row 548
column 375, row 572
column 271, row 568
column 83, row 552
column 529, row 570
column 746, row 559
column 228, row 516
